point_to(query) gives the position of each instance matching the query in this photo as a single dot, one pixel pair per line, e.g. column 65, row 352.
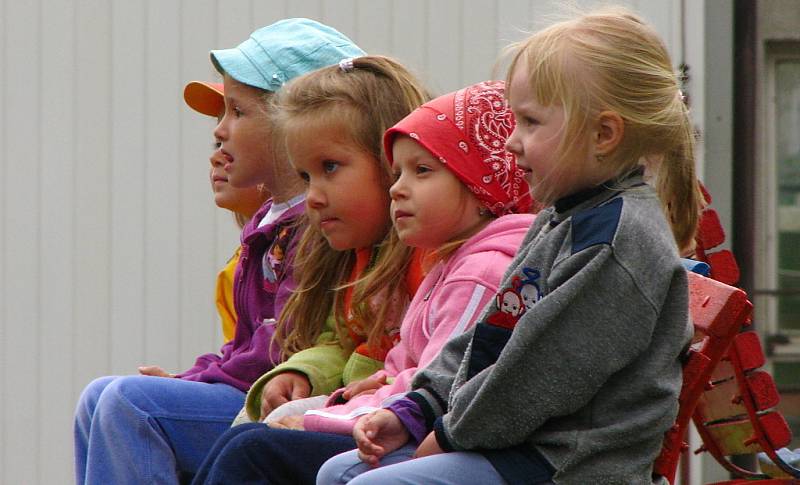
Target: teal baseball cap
column 278, row 53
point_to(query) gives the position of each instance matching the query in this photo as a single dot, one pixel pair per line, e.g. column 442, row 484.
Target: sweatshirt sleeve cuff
column 441, row 436
column 409, row 413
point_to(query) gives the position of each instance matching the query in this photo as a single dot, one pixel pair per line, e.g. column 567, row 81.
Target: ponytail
column 677, row 184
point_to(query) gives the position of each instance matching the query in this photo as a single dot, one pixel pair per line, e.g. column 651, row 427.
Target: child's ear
column 609, row 129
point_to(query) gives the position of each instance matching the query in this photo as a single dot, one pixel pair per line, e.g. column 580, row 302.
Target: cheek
column 375, row 209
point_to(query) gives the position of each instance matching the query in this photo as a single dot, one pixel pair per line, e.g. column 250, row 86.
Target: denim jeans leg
column 146, row 429
column 398, row 467
column 345, row 467
column 84, row 414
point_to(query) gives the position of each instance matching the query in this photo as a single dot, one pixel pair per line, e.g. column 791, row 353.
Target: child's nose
column 512, row 145
column 315, row 197
column 397, row 190
column 221, row 130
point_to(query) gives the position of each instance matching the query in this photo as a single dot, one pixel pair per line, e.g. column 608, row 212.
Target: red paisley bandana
column 467, row 131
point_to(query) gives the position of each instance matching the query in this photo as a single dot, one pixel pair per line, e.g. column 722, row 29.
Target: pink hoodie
column 449, row 300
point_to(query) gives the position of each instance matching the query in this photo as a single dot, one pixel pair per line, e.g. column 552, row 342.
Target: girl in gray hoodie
column 572, row 374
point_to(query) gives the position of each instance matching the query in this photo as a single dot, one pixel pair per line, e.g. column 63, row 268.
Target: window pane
column 787, row 151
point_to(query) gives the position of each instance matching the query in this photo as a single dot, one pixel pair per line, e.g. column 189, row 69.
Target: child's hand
column 429, row 446
column 154, row 370
column 288, row 422
column 377, row 434
column 283, row 388
column 364, row 386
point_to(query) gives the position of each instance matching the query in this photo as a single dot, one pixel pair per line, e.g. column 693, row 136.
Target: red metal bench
column 736, row 414
column 718, row 311
column 731, row 401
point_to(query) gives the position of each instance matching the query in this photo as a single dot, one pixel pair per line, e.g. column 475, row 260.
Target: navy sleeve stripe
column 597, row 225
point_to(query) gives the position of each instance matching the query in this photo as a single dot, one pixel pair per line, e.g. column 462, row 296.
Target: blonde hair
column 612, row 60
column 367, row 99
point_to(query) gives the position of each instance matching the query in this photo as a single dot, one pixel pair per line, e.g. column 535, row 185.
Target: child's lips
column 525, row 169
column 327, row 222
column 398, row 215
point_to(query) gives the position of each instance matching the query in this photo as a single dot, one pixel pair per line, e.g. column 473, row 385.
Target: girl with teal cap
column 147, row 429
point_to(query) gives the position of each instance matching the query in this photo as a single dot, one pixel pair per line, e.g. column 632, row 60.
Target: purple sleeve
column 204, row 361
column 251, row 352
column 410, row 414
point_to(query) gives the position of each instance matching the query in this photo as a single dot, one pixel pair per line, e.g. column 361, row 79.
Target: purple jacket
column 263, row 283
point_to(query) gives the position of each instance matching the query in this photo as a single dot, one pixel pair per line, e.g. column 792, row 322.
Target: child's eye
column 527, row 120
column 395, row 176
column 237, row 111
column 330, row 166
column 304, row 176
column 423, row 169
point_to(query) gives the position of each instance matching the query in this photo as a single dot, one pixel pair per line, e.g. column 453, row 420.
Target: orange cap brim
column 205, row 98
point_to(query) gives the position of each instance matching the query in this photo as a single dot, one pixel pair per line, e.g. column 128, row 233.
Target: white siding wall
column 109, row 240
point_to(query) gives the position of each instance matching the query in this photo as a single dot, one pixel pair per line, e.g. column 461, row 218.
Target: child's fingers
column 153, row 370
column 370, row 460
column 300, row 392
column 271, row 401
column 369, row 448
column 276, row 400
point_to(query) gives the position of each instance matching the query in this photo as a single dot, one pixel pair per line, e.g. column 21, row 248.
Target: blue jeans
column 256, row 453
column 143, row 429
column 398, row 467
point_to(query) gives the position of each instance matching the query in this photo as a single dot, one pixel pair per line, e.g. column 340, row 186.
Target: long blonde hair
column 370, row 96
column 612, row 60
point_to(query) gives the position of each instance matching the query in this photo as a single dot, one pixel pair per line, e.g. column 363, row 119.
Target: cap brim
column 238, row 66
column 205, row 98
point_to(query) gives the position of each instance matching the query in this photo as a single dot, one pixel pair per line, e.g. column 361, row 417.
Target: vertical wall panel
column 304, row 8
column 162, row 183
column 21, row 190
column 410, row 36
column 374, row 26
column 478, row 51
column 341, row 16
column 445, row 44
column 199, row 324
column 128, row 156
column 265, row 13
column 92, row 185
column 57, row 199
column 514, row 19
column 5, row 433
column 233, row 22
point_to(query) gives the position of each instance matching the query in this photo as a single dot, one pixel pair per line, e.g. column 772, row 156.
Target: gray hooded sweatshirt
column 576, row 365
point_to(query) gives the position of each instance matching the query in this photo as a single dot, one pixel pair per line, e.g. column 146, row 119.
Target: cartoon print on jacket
column 529, row 288
column 272, row 262
column 512, row 302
